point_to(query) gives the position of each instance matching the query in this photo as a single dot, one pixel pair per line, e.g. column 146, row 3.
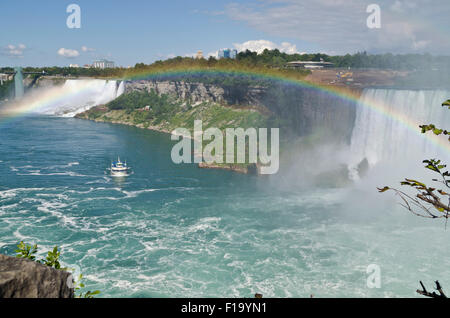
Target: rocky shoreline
column 249, row 169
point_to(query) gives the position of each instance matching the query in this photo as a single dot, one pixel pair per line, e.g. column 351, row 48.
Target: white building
column 103, row 64
column 3, row 78
column 309, row 64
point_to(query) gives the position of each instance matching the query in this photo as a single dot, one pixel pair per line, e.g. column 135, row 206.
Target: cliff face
column 200, row 92
column 301, row 110
column 43, row 81
column 22, row 278
column 196, row 92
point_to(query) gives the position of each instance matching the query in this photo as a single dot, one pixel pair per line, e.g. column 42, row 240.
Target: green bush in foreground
column 28, row 251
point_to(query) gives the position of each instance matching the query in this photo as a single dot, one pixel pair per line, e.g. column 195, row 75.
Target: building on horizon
column 227, row 53
column 74, row 65
column 103, row 64
column 199, row 55
column 309, row 64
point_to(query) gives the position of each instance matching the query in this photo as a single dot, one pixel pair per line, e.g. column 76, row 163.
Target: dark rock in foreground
column 22, row 278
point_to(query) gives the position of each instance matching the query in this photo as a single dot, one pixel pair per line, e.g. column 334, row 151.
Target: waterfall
column 77, row 96
column 120, row 89
column 378, row 137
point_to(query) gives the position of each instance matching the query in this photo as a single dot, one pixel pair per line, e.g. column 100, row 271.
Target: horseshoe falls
column 381, row 137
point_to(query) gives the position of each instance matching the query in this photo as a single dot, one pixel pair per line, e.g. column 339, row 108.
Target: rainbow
column 34, row 102
column 334, row 91
column 53, row 96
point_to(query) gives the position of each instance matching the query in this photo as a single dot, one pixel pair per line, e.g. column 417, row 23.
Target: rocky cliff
column 299, row 110
column 201, row 92
column 22, row 278
column 196, row 92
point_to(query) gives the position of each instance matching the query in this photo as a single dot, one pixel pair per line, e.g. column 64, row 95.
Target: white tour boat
column 119, row 168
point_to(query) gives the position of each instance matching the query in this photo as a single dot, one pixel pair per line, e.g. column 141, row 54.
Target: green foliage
column 96, row 113
column 137, row 100
column 52, row 260
column 436, row 131
column 436, row 166
column 26, row 251
column 446, row 103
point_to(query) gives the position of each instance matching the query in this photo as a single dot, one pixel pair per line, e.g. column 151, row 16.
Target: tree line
column 274, row 59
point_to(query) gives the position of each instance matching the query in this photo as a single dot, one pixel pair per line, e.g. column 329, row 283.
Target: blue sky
column 35, row 33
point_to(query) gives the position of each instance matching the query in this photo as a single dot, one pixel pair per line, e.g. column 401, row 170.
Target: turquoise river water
column 179, row 231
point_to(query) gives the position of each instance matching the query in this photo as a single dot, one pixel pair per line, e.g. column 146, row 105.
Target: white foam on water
column 13, row 192
column 134, row 194
column 208, row 223
column 38, row 173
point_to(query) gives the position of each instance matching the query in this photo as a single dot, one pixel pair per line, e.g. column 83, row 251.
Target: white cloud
column 87, row 49
column 68, row 53
column 402, row 6
column 14, row 50
column 260, row 45
column 340, row 25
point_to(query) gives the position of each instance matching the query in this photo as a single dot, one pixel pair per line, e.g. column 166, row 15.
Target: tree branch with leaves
column 428, row 202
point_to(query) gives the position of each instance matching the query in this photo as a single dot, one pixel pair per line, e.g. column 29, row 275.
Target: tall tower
column 18, row 82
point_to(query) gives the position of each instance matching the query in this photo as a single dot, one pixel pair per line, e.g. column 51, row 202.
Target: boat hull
column 119, row 173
